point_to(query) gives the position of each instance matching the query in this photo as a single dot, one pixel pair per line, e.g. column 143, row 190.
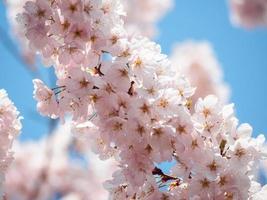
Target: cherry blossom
column 9, row 129
column 249, row 13
column 131, row 104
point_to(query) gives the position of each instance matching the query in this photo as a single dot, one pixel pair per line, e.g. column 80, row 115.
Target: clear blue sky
column 243, row 55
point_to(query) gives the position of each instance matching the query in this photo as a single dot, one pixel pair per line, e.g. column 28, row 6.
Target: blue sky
column 243, row 55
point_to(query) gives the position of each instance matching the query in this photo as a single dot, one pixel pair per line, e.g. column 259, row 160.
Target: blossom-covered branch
column 123, row 95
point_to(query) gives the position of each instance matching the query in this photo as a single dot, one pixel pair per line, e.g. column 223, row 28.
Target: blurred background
column 242, row 54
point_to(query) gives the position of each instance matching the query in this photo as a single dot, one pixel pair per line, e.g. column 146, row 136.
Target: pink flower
column 72, row 9
column 39, row 10
column 47, row 102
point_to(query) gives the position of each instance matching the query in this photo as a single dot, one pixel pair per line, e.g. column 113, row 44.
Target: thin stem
column 93, row 115
column 59, row 87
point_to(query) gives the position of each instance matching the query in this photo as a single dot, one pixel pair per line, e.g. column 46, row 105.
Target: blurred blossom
column 44, row 170
column 249, row 13
column 263, row 167
column 13, row 8
column 197, row 61
column 10, row 127
column 143, row 15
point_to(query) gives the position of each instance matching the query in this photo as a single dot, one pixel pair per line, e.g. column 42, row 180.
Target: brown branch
column 164, row 177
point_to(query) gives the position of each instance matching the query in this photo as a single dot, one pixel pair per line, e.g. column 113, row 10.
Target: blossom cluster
column 197, row 61
column 9, row 129
column 125, row 98
column 249, row 13
column 215, row 158
column 73, row 32
column 142, row 17
column 52, row 173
